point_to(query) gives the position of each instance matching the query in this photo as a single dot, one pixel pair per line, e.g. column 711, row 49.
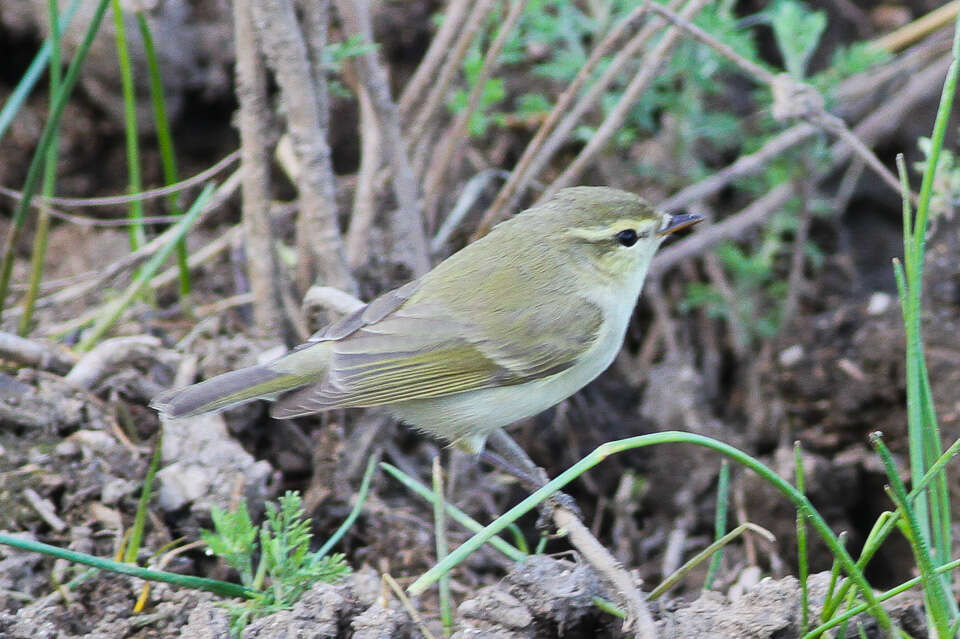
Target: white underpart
column 470, row 417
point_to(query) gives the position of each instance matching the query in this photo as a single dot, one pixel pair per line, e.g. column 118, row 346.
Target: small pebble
column 790, row 356
column 879, row 303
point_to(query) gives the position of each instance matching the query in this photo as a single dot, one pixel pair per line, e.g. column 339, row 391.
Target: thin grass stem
column 168, row 158
column 719, row 522
column 359, row 500
column 39, row 255
column 933, row 586
column 113, row 310
column 455, row 513
column 610, row 448
column 803, row 570
column 32, row 75
column 223, row 588
column 138, row 235
column 440, row 537
column 47, row 137
column 140, row 519
column 702, row 556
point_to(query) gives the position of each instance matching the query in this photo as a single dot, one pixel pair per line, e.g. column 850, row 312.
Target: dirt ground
column 75, row 443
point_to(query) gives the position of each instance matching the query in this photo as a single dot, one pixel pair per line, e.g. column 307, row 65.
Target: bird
column 501, row 330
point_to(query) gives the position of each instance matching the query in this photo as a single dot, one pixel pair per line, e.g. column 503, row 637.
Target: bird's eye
column 627, row 237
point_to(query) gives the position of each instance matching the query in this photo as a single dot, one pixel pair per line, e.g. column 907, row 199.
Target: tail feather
column 229, row 390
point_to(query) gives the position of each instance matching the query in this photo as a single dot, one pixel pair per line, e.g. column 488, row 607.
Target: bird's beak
column 679, row 221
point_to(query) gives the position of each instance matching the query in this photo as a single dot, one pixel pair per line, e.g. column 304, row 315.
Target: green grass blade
column 137, row 233
column 140, row 519
column 932, row 527
column 830, row 599
column 453, row 512
column 359, row 501
column 885, row 596
column 168, row 158
column 803, row 567
column 32, row 75
column 886, row 524
column 198, row 583
column 719, row 522
column 39, row 156
column 113, row 311
column 39, row 255
column 602, row 452
column 933, row 586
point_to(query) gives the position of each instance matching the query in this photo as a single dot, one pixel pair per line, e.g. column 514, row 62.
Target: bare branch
column 874, row 127
column 263, row 268
column 433, row 183
column 319, row 245
column 426, row 72
column 614, row 121
column 442, row 82
column 410, row 242
column 364, row 197
column 559, row 109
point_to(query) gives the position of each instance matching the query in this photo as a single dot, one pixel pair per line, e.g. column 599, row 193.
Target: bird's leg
column 516, row 462
column 530, row 481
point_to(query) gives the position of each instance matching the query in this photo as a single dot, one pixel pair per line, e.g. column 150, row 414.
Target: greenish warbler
column 500, row 331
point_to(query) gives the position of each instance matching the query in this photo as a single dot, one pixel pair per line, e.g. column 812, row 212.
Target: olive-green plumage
column 501, row 330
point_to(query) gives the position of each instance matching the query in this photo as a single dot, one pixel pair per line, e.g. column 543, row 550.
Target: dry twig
column 874, row 127
column 560, row 108
column 541, row 151
column 364, row 198
column 262, row 265
column 454, row 59
column 319, row 244
column 99, row 279
column 426, row 72
column 448, row 144
column 410, row 242
column 36, row 354
column 791, row 98
column 615, row 119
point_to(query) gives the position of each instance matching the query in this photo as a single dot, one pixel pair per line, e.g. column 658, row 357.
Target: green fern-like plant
column 286, row 568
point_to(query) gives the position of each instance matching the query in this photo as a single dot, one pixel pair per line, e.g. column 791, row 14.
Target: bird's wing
column 421, row 349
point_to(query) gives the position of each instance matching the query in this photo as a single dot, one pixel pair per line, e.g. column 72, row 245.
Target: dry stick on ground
column 426, row 72
column 316, row 24
column 364, row 197
column 919, row 28
column 614, row 121
column 109, row 355
column 542, row 153
column 36, row 354
column 433, row 182
column 744, row 165
column 559, row 109
column 101, row 278
column 410, row 242
column 319, row 244
column 262, row 263
column 854, row 88
column 623, row 585
column 639, row 619
column 115, row 200
column 874, row 127
column 449, row 70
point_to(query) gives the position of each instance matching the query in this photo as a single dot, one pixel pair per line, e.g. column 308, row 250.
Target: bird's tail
column 267, row 381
